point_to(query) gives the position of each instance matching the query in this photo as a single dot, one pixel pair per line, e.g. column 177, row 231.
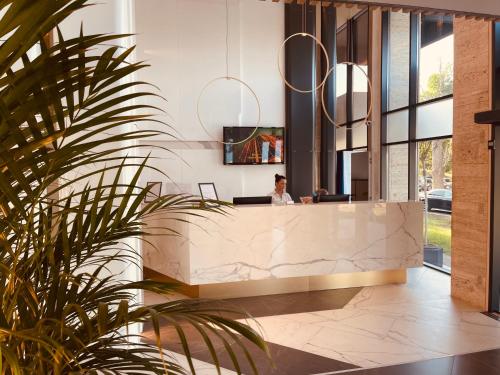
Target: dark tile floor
column 285, row 360
column 481, row 363
column 289, row 361
column 294, row 303
column 493, row 315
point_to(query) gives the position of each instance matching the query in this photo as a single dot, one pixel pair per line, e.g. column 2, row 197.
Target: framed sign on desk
column 207, row 191
column 154, row 191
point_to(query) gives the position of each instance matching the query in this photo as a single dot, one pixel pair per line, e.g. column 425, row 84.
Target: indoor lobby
column 388, row 118
column 317, row 190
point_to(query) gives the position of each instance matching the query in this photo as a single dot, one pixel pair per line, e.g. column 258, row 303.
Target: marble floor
column 366, row 327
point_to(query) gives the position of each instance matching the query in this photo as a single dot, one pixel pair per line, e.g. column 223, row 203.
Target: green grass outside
column 439, row 231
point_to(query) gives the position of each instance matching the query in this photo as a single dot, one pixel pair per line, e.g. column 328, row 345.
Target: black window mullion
column 413, row 104
column 385, row 96
column 413, row 100
column 349, row 107
column 385, row 74
column 349, row 96
column 419, row 104
column 328, row 132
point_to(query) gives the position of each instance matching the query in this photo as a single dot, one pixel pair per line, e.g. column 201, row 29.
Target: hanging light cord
column 305, row 16
column 227, row 39
column 304, row 19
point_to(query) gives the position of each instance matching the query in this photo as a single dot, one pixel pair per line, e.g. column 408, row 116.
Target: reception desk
column 254, row 250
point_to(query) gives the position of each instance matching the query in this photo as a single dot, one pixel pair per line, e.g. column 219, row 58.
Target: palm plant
column 66, row 214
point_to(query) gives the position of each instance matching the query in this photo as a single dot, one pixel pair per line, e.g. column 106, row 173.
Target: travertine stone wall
column 399, row 60
column 471, row 162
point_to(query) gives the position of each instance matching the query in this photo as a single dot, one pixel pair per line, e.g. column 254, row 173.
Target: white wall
column 111, row 16
column 185, row 43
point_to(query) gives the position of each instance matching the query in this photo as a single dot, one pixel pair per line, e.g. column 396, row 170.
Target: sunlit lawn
column 439, row 231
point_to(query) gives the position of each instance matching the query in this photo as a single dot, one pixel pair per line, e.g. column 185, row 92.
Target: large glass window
column 359, row 73
column 435, row 181
column 359, row 135
column 435, row 57
column 352, row 95
column 435, row 119
column 341, row 94
column 417, row 122
column 351, row 82
column 341, row 138
column 397, row 126
column 341, row 76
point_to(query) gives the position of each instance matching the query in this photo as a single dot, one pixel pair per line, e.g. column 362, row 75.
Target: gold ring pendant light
column 370, row 90
column 318, row 42
column 227, row 77
column 330, row 71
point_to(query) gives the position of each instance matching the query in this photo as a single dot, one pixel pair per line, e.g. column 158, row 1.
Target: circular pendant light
column 228, row 78
column 370, row 106
column 325, row 53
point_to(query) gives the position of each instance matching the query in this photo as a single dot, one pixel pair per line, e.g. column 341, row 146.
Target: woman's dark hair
column 278, row 178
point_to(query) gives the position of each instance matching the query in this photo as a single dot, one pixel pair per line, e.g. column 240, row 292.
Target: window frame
column 351, row 48
column 412, row 107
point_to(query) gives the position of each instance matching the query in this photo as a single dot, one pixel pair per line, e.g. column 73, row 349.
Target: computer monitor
column 251, row 200
column 333, row 198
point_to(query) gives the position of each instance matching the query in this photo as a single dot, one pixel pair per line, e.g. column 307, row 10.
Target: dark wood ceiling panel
column 458, row 12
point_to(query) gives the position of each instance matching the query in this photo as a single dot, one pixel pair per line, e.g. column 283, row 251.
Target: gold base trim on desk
column 253, row 288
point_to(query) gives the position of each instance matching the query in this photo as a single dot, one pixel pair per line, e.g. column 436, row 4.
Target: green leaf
column 68, row 210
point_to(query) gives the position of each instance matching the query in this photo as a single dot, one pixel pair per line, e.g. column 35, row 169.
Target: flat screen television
column 266, row 146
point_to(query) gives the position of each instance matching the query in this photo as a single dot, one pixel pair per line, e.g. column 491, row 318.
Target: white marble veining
column 386, row 325
column 268, row 242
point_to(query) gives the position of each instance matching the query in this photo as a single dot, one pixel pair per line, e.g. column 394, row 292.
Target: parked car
column 447, row 183
column 439, row 199
column 421, row 184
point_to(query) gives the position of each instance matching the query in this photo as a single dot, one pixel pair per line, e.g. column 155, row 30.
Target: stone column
column 471, row 162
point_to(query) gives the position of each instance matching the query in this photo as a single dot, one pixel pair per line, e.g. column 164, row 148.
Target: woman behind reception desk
column 279, row 195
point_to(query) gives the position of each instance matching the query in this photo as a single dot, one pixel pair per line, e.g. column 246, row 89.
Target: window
column 417, row 122
column 397, row 126
column 435, row 190
column 434, row 119
column 435, row 57
column 360, row 57
column 341, row 138
column 351, row 83
column 341, row 77
column 352, row 98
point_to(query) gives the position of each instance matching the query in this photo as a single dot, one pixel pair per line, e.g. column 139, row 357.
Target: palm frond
column 67, row 211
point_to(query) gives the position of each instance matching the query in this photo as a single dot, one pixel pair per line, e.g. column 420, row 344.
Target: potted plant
column 66, row 211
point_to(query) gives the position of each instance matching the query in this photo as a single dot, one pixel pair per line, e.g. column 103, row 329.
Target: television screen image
column 266, row 146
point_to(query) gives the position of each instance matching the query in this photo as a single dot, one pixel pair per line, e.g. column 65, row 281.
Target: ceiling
column 480, row 9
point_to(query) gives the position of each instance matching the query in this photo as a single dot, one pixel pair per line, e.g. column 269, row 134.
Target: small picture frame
column 207, row 191
column 154, row 192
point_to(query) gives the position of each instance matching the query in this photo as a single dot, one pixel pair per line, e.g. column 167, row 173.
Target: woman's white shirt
column 283, row 199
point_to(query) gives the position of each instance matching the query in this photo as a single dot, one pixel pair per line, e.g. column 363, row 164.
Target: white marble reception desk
column 256, row 243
